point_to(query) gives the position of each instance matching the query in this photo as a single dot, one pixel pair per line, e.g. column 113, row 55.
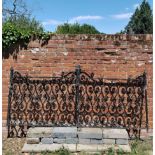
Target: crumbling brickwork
column 108, row 56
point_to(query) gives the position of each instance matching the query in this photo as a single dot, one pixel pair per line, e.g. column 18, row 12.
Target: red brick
column 93, row 54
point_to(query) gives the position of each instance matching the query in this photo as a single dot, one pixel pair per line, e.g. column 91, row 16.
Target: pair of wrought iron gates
column 76, row 99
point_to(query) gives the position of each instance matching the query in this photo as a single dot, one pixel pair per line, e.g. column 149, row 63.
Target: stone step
column 33, row 140
column 38, row 132
column 90, row 133
column 64, row 132
column 115, row 133
column 76, row 141
column 74, row 135
column 27, row 148
column 73, row 132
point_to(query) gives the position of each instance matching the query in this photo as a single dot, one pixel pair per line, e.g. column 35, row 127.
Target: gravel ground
column 12, row 146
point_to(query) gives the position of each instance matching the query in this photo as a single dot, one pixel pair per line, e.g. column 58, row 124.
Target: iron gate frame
column 75, row 78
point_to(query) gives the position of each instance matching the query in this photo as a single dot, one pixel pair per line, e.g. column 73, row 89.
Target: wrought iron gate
column 76, row 99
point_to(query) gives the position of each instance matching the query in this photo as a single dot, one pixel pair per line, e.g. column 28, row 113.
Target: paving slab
column 122, row 141
column 38, row 132
column 59, row 140
column 47, row 140
column 90, row 133
column 109, row 141
column 99, row 147
column 93, row 147
column 27, row 148
column 84, row 141
column 41, row 147
column 115, row 133
column 125, row 148
column 72, row 140
column 96, row 141
column 33, row 140
column 70, row 147
column 65, row 132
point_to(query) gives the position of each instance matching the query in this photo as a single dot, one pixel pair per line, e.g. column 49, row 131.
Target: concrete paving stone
column 71, row 140
column 70, row 147
column 93, row 147
column 122, row 141
column 27, row 148
column 38, row 132
column 33, row 140
column 65, row 132
column 86, row 147
column 125, row 148
column 108, row 141
column 90, row 133
column 102, row 147
column 41, row 147
column 47, row 140
column 115, row 133
column 84, row 141
column 59, row 140
column 96, row 141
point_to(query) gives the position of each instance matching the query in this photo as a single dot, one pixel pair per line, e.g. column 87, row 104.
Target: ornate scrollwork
column 76, row 99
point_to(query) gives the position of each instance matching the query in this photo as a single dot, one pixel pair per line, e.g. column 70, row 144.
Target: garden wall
column 108, row 56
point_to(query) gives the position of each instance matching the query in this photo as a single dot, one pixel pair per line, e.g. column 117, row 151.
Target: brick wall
column 108, row 56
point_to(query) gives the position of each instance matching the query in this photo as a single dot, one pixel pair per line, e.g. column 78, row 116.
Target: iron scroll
column 76, row 99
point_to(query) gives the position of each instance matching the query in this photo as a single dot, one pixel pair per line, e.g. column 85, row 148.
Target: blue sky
column 108, row 16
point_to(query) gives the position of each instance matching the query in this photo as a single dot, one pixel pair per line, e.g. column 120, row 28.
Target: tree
column 16, row 14
column 13, row 9
column 18, row 26
column 25, row 23
column 141, row 21
column 76, row 29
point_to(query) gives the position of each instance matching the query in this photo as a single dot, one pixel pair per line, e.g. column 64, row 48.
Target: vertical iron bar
column 146, row 108
column 141, row 115
column 146, row 105
column 144, row 82
column 9, row 100
column 77, row 83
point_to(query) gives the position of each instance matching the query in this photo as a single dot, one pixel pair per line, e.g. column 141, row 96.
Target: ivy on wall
column 12, row 35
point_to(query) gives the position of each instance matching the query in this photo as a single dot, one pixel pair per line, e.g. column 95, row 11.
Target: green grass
column 61, row 151
column 141, row 147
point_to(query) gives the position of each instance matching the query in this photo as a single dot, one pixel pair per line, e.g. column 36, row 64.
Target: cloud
column 71, row 20
column 52, row 22
column 136, row 6
column 126, row 8
column 84, row 18
column 122, row 16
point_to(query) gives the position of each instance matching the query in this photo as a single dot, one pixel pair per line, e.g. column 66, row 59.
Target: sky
column 108, row 16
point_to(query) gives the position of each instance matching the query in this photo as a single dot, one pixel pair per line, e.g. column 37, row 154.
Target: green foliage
column 111, row 151
column 61, row 151
column 120, row 151
column 141, row 147
column 141, row 21
column 76, row 29
column 21, row 30
column 26, row 23
column 11, row 35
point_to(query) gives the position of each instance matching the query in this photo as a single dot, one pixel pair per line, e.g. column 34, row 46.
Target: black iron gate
column 76, row 99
